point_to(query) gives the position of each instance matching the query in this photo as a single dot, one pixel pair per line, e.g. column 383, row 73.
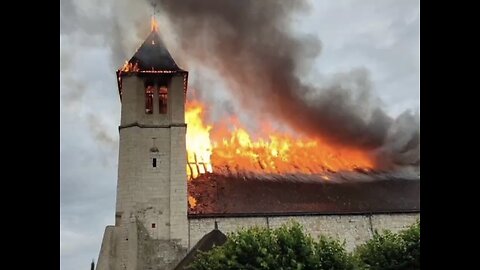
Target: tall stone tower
column 151, row 226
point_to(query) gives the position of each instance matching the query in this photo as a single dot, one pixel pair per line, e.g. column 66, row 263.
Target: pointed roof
column 208, row 242
column 151, row 58
column 153, row 55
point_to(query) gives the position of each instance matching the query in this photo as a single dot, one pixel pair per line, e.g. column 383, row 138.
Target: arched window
column 149, row 99
column 163, row 99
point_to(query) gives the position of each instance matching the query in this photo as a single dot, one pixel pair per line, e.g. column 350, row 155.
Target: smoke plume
column 249, row 43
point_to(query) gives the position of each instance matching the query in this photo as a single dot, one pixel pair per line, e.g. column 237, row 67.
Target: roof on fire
column 219, row 196
column 153, row 55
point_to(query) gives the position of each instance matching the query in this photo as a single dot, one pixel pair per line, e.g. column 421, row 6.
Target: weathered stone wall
column 354, row 229
column 157, row 254
column 151, row 226
column 156, row 195
column 107, row 257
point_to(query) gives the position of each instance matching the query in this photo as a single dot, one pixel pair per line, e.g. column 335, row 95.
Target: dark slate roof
column 210, row 240
column 151, row 58
column 153, row 55
column 219, row 195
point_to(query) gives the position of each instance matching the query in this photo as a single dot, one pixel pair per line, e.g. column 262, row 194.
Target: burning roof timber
column 152, row 58
column 219, row 195
column 234, row 175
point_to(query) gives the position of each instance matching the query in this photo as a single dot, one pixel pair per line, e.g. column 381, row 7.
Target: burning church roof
column 153, row 56
column 232, row 172
column 219, row 195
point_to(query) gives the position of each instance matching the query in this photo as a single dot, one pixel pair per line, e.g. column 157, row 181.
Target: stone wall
column 151, row 226
column 354, row 229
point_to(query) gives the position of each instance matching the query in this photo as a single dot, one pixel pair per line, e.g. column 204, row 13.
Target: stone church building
column 154, row 228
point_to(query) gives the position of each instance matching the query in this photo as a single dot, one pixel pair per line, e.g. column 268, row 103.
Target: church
column 154, row 226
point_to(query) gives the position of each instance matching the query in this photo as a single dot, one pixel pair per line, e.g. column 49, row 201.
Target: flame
column 129, row 67
column 192, row 202
column 154, row 24
column 199, row 146
column 227, row 151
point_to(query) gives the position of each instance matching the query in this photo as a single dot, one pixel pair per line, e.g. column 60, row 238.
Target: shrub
column 284, row 248
column 288, row 247
column 390, row 251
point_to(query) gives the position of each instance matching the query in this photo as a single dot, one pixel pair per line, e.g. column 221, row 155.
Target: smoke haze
column 251, row 45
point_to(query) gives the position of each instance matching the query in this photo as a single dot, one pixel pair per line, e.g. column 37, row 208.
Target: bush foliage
column 390, row 251
column 288, row 247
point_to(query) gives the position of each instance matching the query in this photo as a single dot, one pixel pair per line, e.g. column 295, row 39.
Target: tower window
column 154, row 162
column 153, row 225
column 149, row 99
column 162, row 99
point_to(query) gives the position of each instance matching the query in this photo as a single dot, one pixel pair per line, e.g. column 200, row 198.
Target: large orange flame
column 199, row 146
column 237, row 151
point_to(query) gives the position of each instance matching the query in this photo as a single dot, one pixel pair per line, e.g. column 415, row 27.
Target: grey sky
column 381, row 36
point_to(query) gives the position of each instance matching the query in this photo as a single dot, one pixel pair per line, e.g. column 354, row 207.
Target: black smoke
column 249, row 43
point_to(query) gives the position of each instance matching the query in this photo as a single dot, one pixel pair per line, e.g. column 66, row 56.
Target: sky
column 97, row 37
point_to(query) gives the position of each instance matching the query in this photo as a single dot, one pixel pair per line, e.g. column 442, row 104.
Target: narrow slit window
column 149, row 99
column 154, row 162
column 163, row 99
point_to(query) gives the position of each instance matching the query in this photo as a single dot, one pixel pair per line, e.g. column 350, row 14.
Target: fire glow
column 153, row 24
column 222, row 150
column 228, row 148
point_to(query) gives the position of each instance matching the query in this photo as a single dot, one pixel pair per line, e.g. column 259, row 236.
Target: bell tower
column 151, row 226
